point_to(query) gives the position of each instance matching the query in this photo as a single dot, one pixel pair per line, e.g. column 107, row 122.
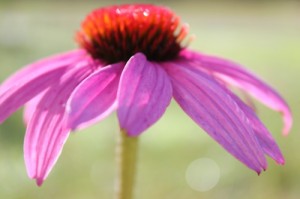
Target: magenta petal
column 237, row 76
column 30, row 81
column 262, row 134
column 214, row 108
column 31, row 106
column 95, row 97
column 16, row 96
column 46, row 132
column 144, row 93
column 41, row 67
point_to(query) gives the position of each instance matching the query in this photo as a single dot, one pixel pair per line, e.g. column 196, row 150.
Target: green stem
column 126, row 165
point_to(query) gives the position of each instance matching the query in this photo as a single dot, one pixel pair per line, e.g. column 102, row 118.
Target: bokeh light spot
column 202, row 174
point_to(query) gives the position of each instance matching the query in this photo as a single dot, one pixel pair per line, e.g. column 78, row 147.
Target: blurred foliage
column 264, row 36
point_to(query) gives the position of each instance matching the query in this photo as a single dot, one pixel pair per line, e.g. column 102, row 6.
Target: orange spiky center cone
column 115, row 33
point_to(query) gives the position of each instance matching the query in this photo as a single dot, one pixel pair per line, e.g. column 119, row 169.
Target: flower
column 132, row 60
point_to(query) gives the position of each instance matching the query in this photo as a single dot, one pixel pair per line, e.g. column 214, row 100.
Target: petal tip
column 281, row 161
column 258, row 172
column 39, row 181
column 261, row 169
column 286, row 130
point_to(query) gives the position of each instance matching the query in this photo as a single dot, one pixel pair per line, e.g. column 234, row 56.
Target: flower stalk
column 126, row 165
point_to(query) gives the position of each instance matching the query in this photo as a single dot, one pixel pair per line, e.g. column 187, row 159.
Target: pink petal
column 237, row 76
column 46, row 132
column 31, row 106
column 33, row 79
column 17, row 96
column 144, row 93
column 42, row 66
column 214, row 108
column 262, row 134
column 95, row 97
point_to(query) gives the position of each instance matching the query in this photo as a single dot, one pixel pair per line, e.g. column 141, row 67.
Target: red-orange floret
column 116, row 33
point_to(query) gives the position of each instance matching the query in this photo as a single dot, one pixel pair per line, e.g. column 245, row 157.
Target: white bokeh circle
column 202, row 174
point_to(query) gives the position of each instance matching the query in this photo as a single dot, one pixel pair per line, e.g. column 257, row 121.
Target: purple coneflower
column 132, row 60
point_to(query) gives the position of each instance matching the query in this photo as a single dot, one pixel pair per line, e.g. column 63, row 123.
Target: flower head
column 116, row 33
column 131, row 60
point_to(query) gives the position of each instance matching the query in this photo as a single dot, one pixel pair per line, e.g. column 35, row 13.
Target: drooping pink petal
column 33, row 79
column 42, row 66
column 31, row 106
column 262, row 134
column 17, row 96
column 95, row 97
column 46, row 132
column 214, row 108
column 144, row 93
column 237, row 76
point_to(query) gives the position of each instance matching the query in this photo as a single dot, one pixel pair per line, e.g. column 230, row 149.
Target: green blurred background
column 262, row 35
